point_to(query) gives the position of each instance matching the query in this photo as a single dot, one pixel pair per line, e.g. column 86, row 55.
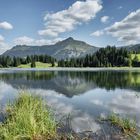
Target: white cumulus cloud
column 5, row 25
column 104, row 19
column 3, row 46
column 128, row 29
column 25, row 40
column 66, row 20
column 1, row 38
column 97, row 33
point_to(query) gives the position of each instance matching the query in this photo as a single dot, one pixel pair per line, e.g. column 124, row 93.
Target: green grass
column 28, row 119
column 128, row 127
column 133, row 56
column 125, row 124
column 38, row 65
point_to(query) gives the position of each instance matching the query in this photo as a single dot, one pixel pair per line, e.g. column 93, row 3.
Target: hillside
column 134, row 48
column 67, row 48
column 61, row 50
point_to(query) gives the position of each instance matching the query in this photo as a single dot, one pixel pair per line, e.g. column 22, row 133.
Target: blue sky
column 39, row 22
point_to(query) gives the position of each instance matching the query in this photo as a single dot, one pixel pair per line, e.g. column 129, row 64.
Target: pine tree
column 33, row 64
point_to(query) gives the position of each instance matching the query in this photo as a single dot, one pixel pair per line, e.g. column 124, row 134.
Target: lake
column 82, row 95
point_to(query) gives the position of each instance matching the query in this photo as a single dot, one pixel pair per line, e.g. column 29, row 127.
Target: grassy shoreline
column 75, row 69
column 28, row 118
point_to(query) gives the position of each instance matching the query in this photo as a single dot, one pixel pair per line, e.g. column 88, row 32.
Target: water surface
column 83, row 95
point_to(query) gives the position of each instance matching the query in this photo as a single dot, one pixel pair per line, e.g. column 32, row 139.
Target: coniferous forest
column 104, row 57
column 7, row 61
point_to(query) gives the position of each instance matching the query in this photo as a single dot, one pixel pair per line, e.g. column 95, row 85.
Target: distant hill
column 67, row 48
column 135, row 48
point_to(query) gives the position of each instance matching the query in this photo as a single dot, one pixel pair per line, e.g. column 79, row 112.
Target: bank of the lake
column 28, row 118
column 73, row 69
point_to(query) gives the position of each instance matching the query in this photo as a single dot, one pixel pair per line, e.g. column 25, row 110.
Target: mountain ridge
column 67, row 48
column 64, row 49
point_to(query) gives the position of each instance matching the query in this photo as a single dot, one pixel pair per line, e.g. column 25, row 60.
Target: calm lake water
column 83, row 95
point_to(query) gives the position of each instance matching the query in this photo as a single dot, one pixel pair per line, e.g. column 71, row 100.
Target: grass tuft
column 28, row 119
column 127, row 125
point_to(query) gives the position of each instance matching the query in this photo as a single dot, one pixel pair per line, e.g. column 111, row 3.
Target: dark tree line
column 7, row 61
column 104, row 57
